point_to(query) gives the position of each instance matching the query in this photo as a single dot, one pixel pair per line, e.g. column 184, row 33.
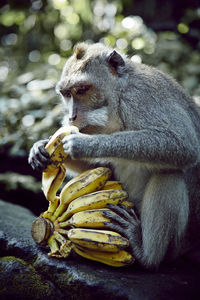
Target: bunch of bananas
column 74, row 220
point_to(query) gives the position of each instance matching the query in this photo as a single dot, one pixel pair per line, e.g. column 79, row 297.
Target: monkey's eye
column 82, row 90
column 65, row 93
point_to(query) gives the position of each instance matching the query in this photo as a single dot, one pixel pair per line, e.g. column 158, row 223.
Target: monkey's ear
column 115, row 60
column 80, row 50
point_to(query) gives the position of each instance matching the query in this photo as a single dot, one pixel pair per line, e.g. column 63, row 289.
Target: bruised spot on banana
column 80, row 204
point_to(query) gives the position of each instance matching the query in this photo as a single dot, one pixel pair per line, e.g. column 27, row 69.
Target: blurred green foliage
column 37, row 38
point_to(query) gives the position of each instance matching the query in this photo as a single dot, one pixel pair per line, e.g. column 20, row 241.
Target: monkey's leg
column 163, row 219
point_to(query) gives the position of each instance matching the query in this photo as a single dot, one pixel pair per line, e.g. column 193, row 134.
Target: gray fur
column 143, row 123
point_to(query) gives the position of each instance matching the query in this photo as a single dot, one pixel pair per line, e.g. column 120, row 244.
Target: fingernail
column 106, row 223
column 107, row 214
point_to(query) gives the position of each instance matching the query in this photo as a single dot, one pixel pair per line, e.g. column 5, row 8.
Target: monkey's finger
column 74, row 132
column 66, row 148
column 32, row 165
column 30, row 157
column 41, row 154
column 39, row 166
column 39, row 149
column 119, row 211
column 114, row 218
column 114, row 227
column 36, row 153
column 33, row 161
column 43, row 159
column 43, row 151
column 131, row 212
column 66, row 139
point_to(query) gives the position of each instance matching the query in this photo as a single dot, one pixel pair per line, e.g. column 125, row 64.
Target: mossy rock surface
column 27, row 273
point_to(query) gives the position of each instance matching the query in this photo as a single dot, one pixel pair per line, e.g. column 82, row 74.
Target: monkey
column 141, row 123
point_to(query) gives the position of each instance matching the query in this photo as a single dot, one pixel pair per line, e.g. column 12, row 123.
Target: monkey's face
column 86, row 87
column 84, row 107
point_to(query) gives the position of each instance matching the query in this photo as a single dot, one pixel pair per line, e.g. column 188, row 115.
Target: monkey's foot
column 126, row 222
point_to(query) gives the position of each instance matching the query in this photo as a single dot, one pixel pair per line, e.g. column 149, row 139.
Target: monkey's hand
column 76, row 144
column 128, row 225
column 38, row 156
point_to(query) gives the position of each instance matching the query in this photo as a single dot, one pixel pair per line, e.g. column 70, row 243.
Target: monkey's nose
column 73, row 118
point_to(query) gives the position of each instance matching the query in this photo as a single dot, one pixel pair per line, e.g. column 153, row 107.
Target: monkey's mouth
column 91, row 129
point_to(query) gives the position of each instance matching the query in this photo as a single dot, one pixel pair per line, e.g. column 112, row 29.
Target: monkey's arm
column 172, row 144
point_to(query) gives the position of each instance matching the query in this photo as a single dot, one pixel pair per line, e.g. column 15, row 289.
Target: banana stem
column 66, row 245
column 65, row 224
column 53, row 246
column 53, row 205
column 60, row 209
column 63, row 231
column 59, row 237
column 64, row 216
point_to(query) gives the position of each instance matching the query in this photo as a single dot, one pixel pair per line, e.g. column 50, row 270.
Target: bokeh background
column 37, row 36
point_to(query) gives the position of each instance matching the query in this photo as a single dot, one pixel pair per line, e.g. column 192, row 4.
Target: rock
column 27, row 273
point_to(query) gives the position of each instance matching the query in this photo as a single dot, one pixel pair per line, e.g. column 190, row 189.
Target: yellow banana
column 94, row 201
column 84, row 199
column 87, row 182
column 111, row 185
column 88, row 218
column 55, row 149
column 118, row 259
column 101, row 240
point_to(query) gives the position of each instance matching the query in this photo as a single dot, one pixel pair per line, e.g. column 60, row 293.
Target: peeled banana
column 101, row 240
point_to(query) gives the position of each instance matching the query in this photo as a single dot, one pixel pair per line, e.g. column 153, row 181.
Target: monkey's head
column 90, row 87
